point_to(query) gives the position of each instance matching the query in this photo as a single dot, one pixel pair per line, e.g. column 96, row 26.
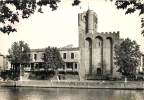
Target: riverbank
column 76, row 84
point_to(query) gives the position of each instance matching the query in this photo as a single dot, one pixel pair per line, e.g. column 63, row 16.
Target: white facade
column 70, row 56
column 4, row 63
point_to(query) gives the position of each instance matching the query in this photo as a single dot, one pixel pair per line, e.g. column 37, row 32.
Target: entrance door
column 99, row 72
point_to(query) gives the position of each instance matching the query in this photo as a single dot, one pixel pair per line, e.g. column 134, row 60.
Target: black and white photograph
column 71, row 49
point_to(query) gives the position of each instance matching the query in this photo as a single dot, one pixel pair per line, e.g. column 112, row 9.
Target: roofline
column 60, row 49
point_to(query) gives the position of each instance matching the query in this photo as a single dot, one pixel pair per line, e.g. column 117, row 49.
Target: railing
column 49, row 69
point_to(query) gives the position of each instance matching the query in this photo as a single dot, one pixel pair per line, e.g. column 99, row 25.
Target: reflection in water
column 68, row 94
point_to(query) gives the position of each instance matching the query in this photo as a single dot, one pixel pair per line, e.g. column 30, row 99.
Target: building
column 92, row 59
column 3, row 62
column 69, row 55
column 96, row 49
column 142, row 62
column 140, row 68
column 95, row 54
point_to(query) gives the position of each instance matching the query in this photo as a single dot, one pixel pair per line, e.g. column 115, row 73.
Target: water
column 69, row 94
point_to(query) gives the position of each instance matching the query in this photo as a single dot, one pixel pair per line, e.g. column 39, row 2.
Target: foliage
column 19, row 53
column 27, row 7
column 24, row 8
column 52, row 58
column 9, row 75
column 131, row 6
column 41, row 75
column 127, row 56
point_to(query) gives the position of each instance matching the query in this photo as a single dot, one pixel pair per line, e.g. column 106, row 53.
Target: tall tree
column 52, row 59
column 127, row 56
column 19, row 54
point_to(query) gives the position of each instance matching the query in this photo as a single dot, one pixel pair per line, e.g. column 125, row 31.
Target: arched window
column 109, row 54
column 98, row 55
column 89, row 53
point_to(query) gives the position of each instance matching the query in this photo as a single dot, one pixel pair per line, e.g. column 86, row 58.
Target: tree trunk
column 57, row 74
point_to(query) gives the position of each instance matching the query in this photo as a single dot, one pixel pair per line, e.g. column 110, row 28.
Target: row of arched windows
column 99, row 51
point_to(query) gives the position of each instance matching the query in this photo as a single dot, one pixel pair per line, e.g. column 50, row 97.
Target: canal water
column 68, row 94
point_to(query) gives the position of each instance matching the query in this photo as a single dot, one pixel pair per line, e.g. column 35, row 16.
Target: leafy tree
column 131, row 6
column 53, row 59
column 19, row 55
column 127, row 56
column 25, row 8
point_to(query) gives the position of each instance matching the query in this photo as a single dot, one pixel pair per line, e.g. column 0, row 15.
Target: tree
column 25, row 8
column 52, row 59
column 131, row 6
column 127, row 56
column 19, row 55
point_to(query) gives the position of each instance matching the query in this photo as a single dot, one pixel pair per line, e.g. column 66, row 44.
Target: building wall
column 38, row 53
column 96, row 49
column 69, row 60
column 72, row 57
column 3, row 62
column 140, row 68
column 68, row 52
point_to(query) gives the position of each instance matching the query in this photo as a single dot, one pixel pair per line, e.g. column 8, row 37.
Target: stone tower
column 96, row 49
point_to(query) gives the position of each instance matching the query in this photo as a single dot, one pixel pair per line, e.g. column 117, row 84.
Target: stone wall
column 96, row 49
column 78, row 84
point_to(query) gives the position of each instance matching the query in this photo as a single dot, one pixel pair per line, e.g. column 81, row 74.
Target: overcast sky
column 60, row 28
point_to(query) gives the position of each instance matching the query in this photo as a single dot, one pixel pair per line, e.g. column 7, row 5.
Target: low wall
column 77, row 84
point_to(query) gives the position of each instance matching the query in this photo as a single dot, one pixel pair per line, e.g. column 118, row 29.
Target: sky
column 60, row 28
